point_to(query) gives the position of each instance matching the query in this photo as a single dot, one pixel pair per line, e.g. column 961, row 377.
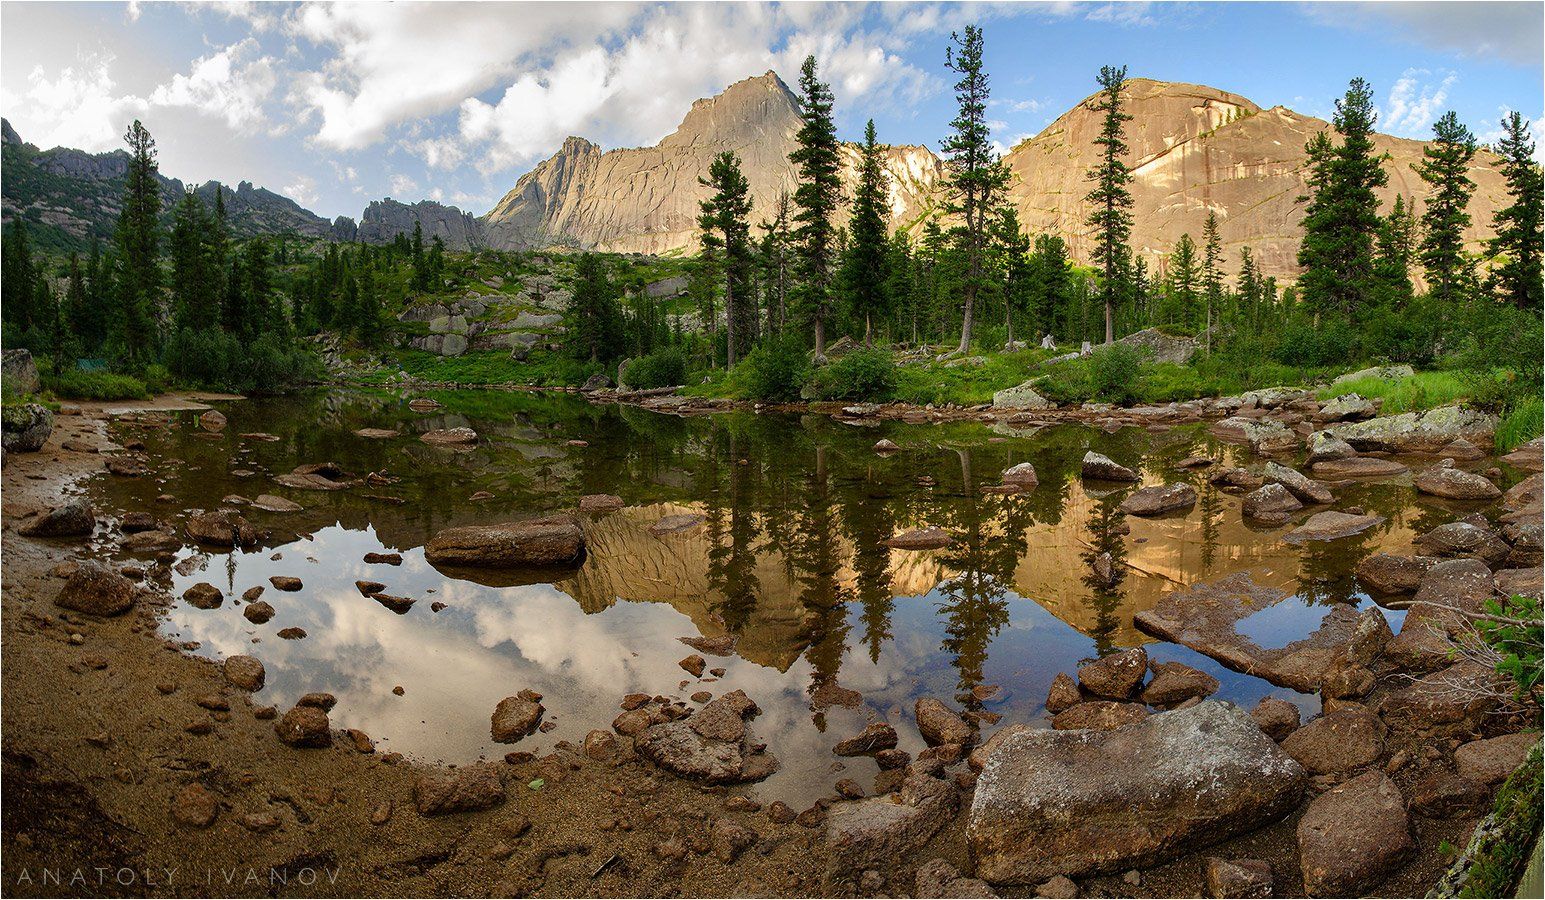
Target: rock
column 1235, row 477
column 515, row 718
column 1159, row 347
column 1271, row 504
column 203, row 596
column 461, row 436
column 367, row 588
column 1347, row 407
column 1352, row 836
column 1358, row 467
column 1174, row 683
column 389, row 559
column 19, row 373
column 1196, row 462
column 937, row 878
column 1058, row 888
column 729, row 840
column 259, row 612
column 1276, row 717
column 939, row 724
column 920, row 539
column 1490, row 761
column 1412, row 432
column 1331, row 526
column 542, row 542
column 1021, row 474
column 25, row 428
column 135, row 522
column 212, row 421
column 694, row 665
column 222, row 528
column 376, row 434
column 1464, row 540
column 885, row 445
column 1326, row 447
column 124, row 467
column 1086, row 802
column 1063, row 694
column 96, row 589
column 1453, row 699
column 73, row 519
column 1100, row 715
column 600, row 503
column 467, row 789
column 1385, row 373
column 1247, row 878
column 1204, row 617
column 1298, row 484
column 1464, row 584
column 1263, row 435
column 1160, row 499
column 1527, row 582
column 1443, row 795
column 1462, row 450
column 678, row 524
column 151, row 542
column 1337, row 742
column 195, row 806
column 260, row 823
column 1097, row 467
column 875, row 737
column 877, row 831
column 245, row 672
column 304, row 726
column 1384, row 573
column 596, row 382
column 705, row 746
column 599, row 744
column 1023, row 396
column 1348, row 682
column 285, row 583
column 1443, row 480
column 1118, row 676
column 271, row 503
column 1528, row 458
column 327, row 476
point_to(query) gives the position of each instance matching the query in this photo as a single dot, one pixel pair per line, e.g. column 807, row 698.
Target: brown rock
column 1272, row 504
column 542, row 542
column 1331, row 526
column 1099, row 715
column 285, row 582
column 1443, row 480
column 515, row 718
column 694, row 665
column 1277, row 717
column 461, row 436
column 1118, row 676
column 875, row 737
column 1337, row 742
column 259, row 612
column 245, row 672
column 73, row 519
column 1442, row 795
column 1464, row 540
column 1490, row 761
column 1160, row 499
column 195, row 806
column 1352, row 836
column 729, row 840
column 1098, row 467
column 1238, row 877
column 222, row 528
column 1384, row 573
column 600, row 503
column 939, row 724
column 920, row 539
column 96, row 589
column 1358, row 467
column 203, row 596
column 389, row 559
column 1063, row 694
column 467, row 789
column 1174, row 683
column 304, row 726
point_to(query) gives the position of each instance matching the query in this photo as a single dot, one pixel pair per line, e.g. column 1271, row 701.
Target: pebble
column 382, row 813
column 195, row 806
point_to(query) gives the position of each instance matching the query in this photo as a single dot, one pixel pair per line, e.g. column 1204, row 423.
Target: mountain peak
column 750, row 110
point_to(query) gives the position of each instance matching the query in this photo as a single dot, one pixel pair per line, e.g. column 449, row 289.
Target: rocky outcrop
column 1159, row 347
column 1411, row 432
column 1099, row 467
column 18, row 373
column 1073, row 803
column 713, row 745
column 1024, row 396
column 383, row 220
column 1159, row 499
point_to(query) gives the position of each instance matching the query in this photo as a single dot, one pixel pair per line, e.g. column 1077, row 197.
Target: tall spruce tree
column 726, row 234
column 1212, row 272
column 816, row 199
column 777, row 265
column 18, row 274
column 1396, row 249
column 1341, row 218
column 1052, row 295
column 975, row 178
column 1013, row 251
column 1519, row 278
column 138, row 240
column 864, row 274
column 1181, row 292
column 1111, row 197
column 1445, row 160
column 593, row 323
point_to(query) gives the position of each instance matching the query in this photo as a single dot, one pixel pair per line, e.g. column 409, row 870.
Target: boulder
column 1465, row 540
column 245, row 672
column 1063, row 693
column 937, row 878
column 1263, row 435
column 875, row 737
column 1099, row 715
column 1276, row 717
column 1325, row 447
column 304, row 726
column 1271, row 504
column 203, row 596
column 271, row 503
column 1359, row 467
column 920, row 539
column 222, row 528
column 1098, row 467
column 19, row 373
column 25, row 427
column 1443, row 480
column 1454, row 699
column 450, row 437
column 1347, row 407
column 1074, row 803
column 1530, row 457
column 96, row 589
column 1160, row 347
column 151, row 542
column 1022, row 474
column 1412, row 432
column 596, row 382
column 1385, row 373
column 1297, row 483
column 514, row 718
column 74, row 519
column 1174, row 683
column 1237, row 478
column 1160, row 499
column 1023, row 396
column 1118, row 676
column 1331, row 526
column 1352, row 836
column 1337, row 742
column 600, row 503
column 467, row 789
column 939, row 724
column 1494, row 759
column 1385, row 573
column 706, row 746
column 1444, row 795
column 554, row 540
column 327, row 476
column 1526, row 582
column 875, row 832
column 1463, row 450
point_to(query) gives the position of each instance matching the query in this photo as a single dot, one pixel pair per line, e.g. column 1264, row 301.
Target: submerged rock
column 1443, row 480
column 1298, row 484
column 271, row 503
column 222, row 528
column 327, row 476
column 1359, row 467
column 547, row 541
column 1098, row 467
column 1270, row 504
column 514, row 718
column 713, row 745
column 1331, row 526
column 450, row 437
column 1073, row 803
column 1160, row 499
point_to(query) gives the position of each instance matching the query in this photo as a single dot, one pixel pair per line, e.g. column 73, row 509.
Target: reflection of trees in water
column 869, row 523
column 817, row 559
column 1211, row 507
column 1105, row 570
column 730, row 514
column 1325, row 568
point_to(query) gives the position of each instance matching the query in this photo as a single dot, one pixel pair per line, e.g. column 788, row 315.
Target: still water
column 788, row 558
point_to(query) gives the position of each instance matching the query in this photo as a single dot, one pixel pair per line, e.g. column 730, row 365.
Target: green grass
column 78, row 385
column 965, row 385
column 1521, row 424
column 1422, row 391
column 542, row 367
column 1500, row 859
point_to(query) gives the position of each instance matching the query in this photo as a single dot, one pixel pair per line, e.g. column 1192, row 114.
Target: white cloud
column 1131, row 14
column 302, row 191
column 1506, row 30
column 232, row 83
column 1415, row 102
column 78, row 107
column 1494, row 133
column 403, row 186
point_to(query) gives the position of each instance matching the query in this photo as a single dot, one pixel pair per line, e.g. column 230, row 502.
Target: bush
column 1113, row 373
column 1522, row 423
column 861, row 375
column 773, row 372
column 1305, row 344
column 215, row 360
column 75, row 384
column 662, row 368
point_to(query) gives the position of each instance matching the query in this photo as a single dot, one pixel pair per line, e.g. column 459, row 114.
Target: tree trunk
column 1110, row 328
column 868, row 332
column 820, row 339
column 967, row 320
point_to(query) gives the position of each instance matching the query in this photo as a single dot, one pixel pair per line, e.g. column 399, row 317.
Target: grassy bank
column 1424, row 390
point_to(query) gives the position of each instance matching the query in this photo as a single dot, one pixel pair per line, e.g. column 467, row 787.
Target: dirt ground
column 105, row 725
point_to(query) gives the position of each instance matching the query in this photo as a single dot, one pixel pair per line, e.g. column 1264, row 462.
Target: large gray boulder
column 24, row 428
column 1411, row 432
column 1076, row 803
column 1387, row 373
column 1160, row 347
column 1024, row 396
column 18, row 373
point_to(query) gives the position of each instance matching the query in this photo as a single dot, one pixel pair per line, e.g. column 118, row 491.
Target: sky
column 337, row 104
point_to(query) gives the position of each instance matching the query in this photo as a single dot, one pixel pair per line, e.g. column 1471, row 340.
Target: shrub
column 1113, row 373
column 75, row 384
column 1305, row 344
column 774, row 372
column 1522, row 423
column 218, row 361
column 860, row 375
column 662, row 368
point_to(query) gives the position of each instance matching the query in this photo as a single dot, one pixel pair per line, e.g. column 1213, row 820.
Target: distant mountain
column 70, row 196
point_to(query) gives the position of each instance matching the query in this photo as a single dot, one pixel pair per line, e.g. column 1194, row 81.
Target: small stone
column 260, row 823
column 304, row 726
column 292, row 633
column 939, row 725
column 730, row 840
column 694, row 665
column 1245, row 878
column 382, row 813
column 1058, row 888
column 285, row 582
column 780, row 813
column 1117, row 676
column 875, row 737
column 259, row 612
column 245, row 672
column 195, row 806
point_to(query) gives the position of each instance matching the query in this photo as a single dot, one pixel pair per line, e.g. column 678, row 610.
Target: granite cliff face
column 385, row 219
column 645, row 200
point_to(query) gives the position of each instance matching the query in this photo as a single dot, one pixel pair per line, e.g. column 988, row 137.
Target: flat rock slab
column 1204, row 619
column 546, row 541
column 325, row 476
column 920, row 539
column 1359, row 467
column 1331, row 526
column 1074, row 803
column 876, row 831
column 1160, row 499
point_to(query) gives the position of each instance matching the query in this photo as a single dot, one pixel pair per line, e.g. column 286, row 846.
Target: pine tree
column 1212, row 272
column 865, row 261
column 1249, row 289
column 975, row 178
column 90, row 322
column 18, row 274
column 726, row 234
column 1181, row 291
column 1341, row 219
column 1052, row 297
column 817, row 196
column 420, row 264
column 1519, row 279
column 1111, row 197
column 1396, row 248
column 367, row 308
column 593, row 322
column 777, row 265
column 1013, row 247
column 1444, row 220
column 195, row 303
column 138, row 241
column 435, row 262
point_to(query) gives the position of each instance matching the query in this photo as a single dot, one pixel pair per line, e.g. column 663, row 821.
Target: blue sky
column 338, row 104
